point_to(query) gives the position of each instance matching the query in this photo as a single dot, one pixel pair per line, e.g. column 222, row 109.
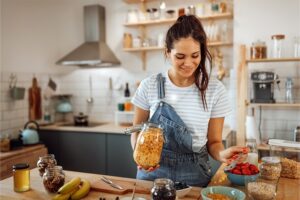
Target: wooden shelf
column 212, row 44
column 279, row 104
column 266, row 147
column 163, row 21
column 272, row 60
column 137, row 1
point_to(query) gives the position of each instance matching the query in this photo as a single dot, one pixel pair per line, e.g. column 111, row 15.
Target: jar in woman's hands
column 149, row 146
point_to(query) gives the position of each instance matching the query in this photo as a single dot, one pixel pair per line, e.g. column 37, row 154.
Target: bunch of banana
column 75, row 189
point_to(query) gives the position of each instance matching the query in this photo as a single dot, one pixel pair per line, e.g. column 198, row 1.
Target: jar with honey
column 258, row 50
column 21, row 176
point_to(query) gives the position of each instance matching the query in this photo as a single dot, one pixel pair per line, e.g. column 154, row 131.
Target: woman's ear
column 167, row 53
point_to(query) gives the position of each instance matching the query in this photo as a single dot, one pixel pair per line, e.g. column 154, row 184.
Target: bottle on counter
column 253, row 153
column 21, row 176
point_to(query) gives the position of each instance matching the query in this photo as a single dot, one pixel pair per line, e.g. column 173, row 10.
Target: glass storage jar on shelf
column 53, row 178
column 149, row 144
column 46, row 161
column 277, row 49
column 258, row 50
column 163, row 188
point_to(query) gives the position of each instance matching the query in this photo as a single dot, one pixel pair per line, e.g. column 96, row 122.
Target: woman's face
column 185, row 57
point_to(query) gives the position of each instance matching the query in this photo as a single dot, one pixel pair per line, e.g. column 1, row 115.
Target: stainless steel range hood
column 94, row 52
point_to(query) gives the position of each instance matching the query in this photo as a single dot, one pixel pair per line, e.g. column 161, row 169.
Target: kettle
column 64, row 106
column 29, row 134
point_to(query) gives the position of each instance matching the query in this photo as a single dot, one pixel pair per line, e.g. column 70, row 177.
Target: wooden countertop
column 38, row 192
column 287, row 188
column 19, row 151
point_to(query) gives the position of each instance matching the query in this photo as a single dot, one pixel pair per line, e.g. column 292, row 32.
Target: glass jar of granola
column 149, row 145
column 270, row 168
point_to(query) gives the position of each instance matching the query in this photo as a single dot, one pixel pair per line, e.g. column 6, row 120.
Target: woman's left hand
column 227, row 155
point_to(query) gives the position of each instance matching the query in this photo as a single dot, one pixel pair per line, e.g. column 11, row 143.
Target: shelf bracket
column 144, row 56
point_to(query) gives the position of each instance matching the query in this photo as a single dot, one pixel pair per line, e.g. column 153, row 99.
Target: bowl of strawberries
column 242, row 171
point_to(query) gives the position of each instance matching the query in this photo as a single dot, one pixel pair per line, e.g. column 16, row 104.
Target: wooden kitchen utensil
column 35, row 101
column 142, row 187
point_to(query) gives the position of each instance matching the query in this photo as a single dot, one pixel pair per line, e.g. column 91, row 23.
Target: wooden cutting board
column 142, row 187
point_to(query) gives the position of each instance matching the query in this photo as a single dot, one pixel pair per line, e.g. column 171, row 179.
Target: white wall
column 255, row 20
column 35, row 34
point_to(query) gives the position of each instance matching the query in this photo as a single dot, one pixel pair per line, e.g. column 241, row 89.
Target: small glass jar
column 46, row 161
column 21, row 176
column 258, row 50
column 260, row 189
column 277, row 45
column 53, row 178
column 163, row 188
column 252, row 157
column 270, row 168
column 149, row 146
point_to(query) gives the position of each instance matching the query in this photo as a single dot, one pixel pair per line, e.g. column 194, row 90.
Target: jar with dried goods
column 258, row 50
column 163, row 188
column 149, row 145
column 44, row 162
column 270, row 168
column 53, row 178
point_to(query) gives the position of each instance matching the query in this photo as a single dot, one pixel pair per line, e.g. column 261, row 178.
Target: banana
column 69, row 186
column 83, row 191
column 65, row 196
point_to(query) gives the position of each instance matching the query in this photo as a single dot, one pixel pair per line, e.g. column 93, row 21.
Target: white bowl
column 183, row 192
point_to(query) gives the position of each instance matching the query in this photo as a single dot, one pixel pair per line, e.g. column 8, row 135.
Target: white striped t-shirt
column 187, row 103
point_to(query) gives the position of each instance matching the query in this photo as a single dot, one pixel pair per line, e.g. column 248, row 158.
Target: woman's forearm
column 215, row 149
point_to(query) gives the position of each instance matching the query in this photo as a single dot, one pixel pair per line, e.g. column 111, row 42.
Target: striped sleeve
column 221, row 106
column 140, row 98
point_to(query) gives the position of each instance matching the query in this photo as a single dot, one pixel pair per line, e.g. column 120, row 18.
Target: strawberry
column 236, row 171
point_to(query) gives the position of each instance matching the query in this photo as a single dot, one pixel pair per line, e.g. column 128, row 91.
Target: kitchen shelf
column 266, row 147
column 242, row 91
column 212, row 44
column 279, row 104
column 172, row 20
column 137, row 1
column 272, row 60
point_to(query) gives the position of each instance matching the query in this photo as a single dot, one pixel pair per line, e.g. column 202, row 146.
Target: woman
column 191, row 107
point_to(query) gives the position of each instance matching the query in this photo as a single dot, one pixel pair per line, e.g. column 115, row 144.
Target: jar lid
column 279, row 36
column 21, row 166
column 271, row 159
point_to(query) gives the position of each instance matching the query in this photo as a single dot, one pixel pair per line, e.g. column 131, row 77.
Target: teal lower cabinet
column 100, row 153
column 120, row 156
column 82, row 151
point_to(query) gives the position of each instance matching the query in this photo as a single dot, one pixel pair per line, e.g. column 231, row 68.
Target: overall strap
column 160, row 86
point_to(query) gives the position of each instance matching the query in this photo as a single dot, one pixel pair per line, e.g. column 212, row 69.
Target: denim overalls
column 178, row 161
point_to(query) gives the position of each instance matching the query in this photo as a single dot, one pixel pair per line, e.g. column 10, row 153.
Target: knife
column 109, row 182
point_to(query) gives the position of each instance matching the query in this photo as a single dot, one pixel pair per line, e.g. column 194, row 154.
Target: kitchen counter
column 38, row 192
column 287, row 188
column 107, row 127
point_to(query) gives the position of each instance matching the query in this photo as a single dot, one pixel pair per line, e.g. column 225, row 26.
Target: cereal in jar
column 270, row 168
column 53, row 178
column 149, row 146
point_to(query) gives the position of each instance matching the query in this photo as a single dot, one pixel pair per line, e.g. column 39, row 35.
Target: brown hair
column 190, row 26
